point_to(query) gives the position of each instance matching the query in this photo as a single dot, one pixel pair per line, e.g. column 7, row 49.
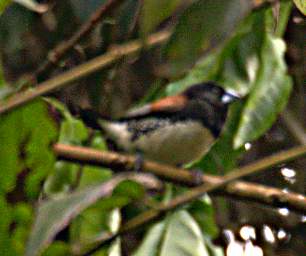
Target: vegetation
column 59, row 198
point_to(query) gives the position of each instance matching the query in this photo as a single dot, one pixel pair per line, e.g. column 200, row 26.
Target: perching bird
column 174, row 130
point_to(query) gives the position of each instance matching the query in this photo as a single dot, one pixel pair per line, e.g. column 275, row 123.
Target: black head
column 211, row 93
column 208, row 103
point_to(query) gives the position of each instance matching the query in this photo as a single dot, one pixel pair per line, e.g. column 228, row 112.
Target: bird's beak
column 229, row 97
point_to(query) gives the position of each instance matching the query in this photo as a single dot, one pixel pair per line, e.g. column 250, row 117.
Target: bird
column 173, row 130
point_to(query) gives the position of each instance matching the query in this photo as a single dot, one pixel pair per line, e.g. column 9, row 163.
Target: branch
column 80, row 71
column 55, row 55
column 228, row 181
column 241, row 190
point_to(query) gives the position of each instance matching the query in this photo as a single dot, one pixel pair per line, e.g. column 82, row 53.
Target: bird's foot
column 197, row 176
column 139, row 160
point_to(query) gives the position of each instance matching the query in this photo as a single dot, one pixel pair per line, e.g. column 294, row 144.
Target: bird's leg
column 197, row 176
column 139, row 160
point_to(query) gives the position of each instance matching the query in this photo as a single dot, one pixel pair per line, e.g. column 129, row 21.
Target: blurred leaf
column 33, row 5
column 58, row 248
column 202, row 25
column 282, row 19
column 6, row 248
column 72, row 131
column 154, row 12
column 32, row 139
column 54, row 215
column 4, row 89
column 179, row 234
column 4, row 4
column 301, row 5
column 130, row 189
column 127, row 18
column 204, row 70
column 269, row 95
column 203, row 212
column 151, row 240
column 2, row 80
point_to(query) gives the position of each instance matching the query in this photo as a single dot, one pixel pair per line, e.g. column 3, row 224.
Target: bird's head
column 211, row 93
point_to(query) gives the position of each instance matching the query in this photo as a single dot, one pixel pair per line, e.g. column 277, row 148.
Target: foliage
column 231, row 43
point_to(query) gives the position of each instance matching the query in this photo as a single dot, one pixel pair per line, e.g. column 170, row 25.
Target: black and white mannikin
column 174, row 130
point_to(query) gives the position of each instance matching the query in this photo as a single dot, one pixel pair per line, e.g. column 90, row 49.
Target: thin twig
column 61, row 50
column 80, row 71
column 194, row 193
column 238, row 189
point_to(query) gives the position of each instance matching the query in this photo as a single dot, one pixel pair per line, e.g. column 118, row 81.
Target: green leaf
column 202, row 24
column 204, row 70
column 6, row 248
column 203, row 212
column 36, row 130
column 154, row 12
column 269, row 95
column 57, row 248
column 301, row 5
column 182, row 225
column 4, row 4
column 73, row 131
column 56, row 214
column 151, row 240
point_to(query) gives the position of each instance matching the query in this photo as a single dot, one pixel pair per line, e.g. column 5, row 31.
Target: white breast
column 180, row 143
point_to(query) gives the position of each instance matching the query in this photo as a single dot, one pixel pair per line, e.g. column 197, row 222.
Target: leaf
column 35, row 132
column 301, row 5
column 178, row 234
column 154, row 12
column 269, row 95
column 54, row 215
column 72, row 131
column 203, row 212
column 182, row 225
column 4, row 4
column 202, row 25
column 33, row 5
column 151, row 240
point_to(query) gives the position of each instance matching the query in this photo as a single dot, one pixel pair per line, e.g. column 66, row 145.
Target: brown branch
column 238, row 189
column 61, row 50
column 150, row 215
column 80, row 71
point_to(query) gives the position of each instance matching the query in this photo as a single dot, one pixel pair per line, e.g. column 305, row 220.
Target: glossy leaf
column 54, row 215
column 269, row 95
column 154, row 12
column 202, row 25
